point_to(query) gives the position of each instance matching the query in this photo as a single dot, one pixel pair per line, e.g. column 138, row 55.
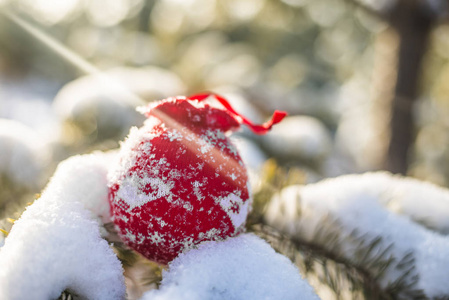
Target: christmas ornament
column 179, row 180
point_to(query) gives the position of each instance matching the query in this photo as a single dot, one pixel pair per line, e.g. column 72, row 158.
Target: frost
column 130, row 193
column 156, row 238
column 244, row 267
column 128, row 156
column 375, row 205
column 57, row 245
column 174, row 135
column 197, row 184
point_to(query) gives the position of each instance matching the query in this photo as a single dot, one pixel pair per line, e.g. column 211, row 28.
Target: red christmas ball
column 179, row 180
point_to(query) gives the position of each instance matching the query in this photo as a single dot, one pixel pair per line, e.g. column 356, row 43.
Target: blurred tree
column 413, row 20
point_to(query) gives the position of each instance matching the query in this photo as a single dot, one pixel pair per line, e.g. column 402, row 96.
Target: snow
column 369, row 206
column 84, row 179
column 56, row 244
column 24, row 154
column 243, row 267
column 299, row 137
column 405, row 196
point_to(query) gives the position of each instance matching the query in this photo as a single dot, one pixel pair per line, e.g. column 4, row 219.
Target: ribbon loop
column 256, row 128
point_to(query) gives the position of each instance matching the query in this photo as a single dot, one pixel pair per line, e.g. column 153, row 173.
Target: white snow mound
column 243, row 267
column 56, row 244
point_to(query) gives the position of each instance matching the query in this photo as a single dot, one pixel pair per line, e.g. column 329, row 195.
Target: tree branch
column 355, row 273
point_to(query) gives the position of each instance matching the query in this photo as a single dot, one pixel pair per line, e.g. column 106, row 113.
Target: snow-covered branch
column 369, row 221
column 57, row 245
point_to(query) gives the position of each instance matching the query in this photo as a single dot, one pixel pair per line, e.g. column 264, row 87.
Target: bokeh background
column 366, row 83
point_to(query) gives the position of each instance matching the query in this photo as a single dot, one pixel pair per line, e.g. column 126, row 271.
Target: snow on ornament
column 179, row 180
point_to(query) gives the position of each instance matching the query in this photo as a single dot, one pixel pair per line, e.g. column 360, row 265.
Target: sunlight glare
column 70, row 56
column 52, row 43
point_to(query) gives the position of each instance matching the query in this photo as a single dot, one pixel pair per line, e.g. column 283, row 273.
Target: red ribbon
column 256, row 128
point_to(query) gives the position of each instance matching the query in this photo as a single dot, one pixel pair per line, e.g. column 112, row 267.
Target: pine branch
column 311, row 255
column 324, row 216
column 371, row 268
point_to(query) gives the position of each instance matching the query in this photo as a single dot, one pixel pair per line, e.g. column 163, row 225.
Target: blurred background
column 366, row 83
